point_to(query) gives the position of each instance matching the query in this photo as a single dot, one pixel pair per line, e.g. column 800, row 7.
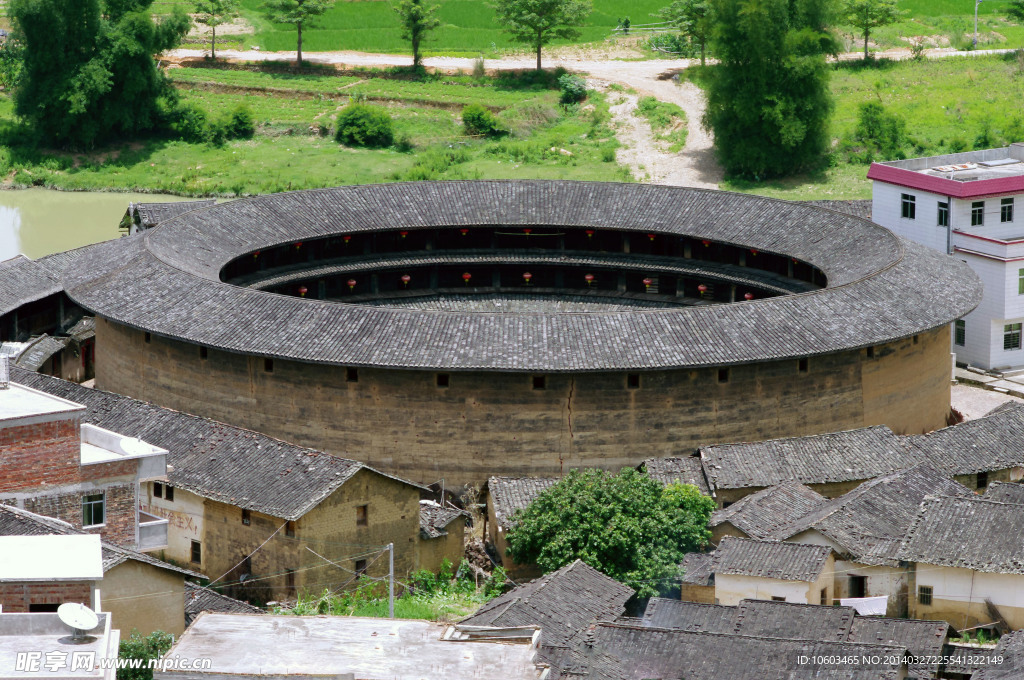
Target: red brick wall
column 120, row 511
column 16, row 597
column 120, row 468
column 45, row 454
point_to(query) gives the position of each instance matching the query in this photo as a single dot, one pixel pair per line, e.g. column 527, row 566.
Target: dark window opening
column 360, row 567
column 148, row 337
column 824, row 597
column 723, row 375
column 158, row 490
column 246, row 518
column 776, row 598
column 168, row 493
column 915, row 339
column 203, row 353
column 803, row 366
column 268, row 365
column 443, row 380
column 362, row 515
column 943, row 214
column 908, row 206
column 93, row 510
column 978, row 214
column 540, row 382
column 871, row 352
column 858, row 586
column 924, row 595
column 1006, row 210
column 960, row 332
column 289, row 579
column 982, row 480
column 197, row 552
column 351, row 375
column 289, row 529
column 633, row 381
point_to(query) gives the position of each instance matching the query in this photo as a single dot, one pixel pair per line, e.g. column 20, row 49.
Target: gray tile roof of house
column 857, row 208
column 509, row 494
column 199, row 599
column 685, row 470
column 1010, row 651
column 212, row 459
column 22, row 281
column 38, row 351
column 761, row 514
column 561, row 603
column 84, row 329
column 434, row 519
column 1007, row 492
column 966, row 659
column 770, row 559
column 17, row 522
column 868, row 523
column 923, row 639
column 968, row 533
column 793, row 621
column 149, row 215
column 993, row 442
column 880, row 287
column 697, row 569
column 691, row 616
column 619, row 651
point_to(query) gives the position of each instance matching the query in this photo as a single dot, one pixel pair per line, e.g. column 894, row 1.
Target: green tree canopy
column 538, row 22
column 87, row 77
column 628, row 526
column 213, row 13
column 1015, row 10
column 298, row 12
column 768, row 98
column 870, row 14
column 418, row 18
column 693, row 19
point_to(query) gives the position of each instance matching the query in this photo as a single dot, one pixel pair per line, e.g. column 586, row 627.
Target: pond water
column 37, row 222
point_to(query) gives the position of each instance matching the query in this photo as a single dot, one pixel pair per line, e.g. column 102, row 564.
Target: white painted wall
column 964, row 585
column 886, row 210
column 730, row 589
column 185, row 522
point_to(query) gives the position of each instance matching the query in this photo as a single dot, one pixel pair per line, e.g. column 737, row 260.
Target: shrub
column 362, row 125
column 478, row 68
column 189, row 122
column 607, row 154
column 880, row 132
column 403, row 143
column 574, row 88
column 151, row 647
column 478, row 120
column 240, row 123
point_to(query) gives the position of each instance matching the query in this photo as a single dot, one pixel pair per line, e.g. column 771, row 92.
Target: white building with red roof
column 967, row 205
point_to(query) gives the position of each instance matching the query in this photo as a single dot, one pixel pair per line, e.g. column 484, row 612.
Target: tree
column 539, row 21
column 88, row 77
column 869, row 14
column 418, row 18
column 150, row 647
column 768, row 99
column 693, row 19
column 213, row 13
column 1015, row 10
column 628, row 526
column 298, row 12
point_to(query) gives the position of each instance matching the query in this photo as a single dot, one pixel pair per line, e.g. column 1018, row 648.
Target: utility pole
column 391, row 580
column 976, row 3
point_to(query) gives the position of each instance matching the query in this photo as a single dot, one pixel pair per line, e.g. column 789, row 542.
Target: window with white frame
column 1011, row 336
column 1020, row 282
column 960, row 332
column 92, row 510
column 943, row 213
column 908, row 206
column 1006, row 210
column 977, row 213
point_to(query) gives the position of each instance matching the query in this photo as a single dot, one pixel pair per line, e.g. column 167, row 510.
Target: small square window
column 289, row 529
column 362, row 515
column 924, row 595
column 908, row 206
column 823, row 600
column 158, row 490
column 443, row 380
column 916, row 339
column 633, row 381
column 268, row 365
column 978, row 213
column 776, row 598
column 943, row 213
column 203, row 353
column 246, row 518
column 360, row 567
column 168, row 493
column 723, row 375
column 960, row 332
column 93, row 510
column 1006, row 210
column 871, row 352
column 351, row 375
column 982, row 481
column 148, row 337
column 803, row 365
column 197, row 552
column 540, row 382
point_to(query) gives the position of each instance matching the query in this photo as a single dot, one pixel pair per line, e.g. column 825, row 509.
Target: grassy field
column 948, row 104
column 291, row 151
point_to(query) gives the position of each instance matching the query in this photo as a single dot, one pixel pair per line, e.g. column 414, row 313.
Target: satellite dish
column 79, row 618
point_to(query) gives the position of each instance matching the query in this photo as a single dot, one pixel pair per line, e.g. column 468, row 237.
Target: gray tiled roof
column 22, row 281
column 561, row 603
column 793, row 621
column 697, row 569
column 212, row 459
column 857, row 208
column 969, row 533
column 1007, row 492
column 691, row 616
column 199, row 599
column 509, row 494
column 880, row 287
column 686, row 470
column 869, row 522
column 760, row 514
column 17, row 522
column 434, row 519
column 995, row 441
column 1010, row 650
column 923, row 639
column 151, row 214
column 39, row 350
column 770, row 559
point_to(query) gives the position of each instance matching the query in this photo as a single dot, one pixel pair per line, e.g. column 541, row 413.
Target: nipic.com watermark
column 52, row 662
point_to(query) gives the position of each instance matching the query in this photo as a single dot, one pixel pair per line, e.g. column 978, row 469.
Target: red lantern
column 753, row 252
column 590, row 233
column 706, row 243
column 650, row 236
column 302, row 291
column 526, row 277
column 298, row 245
column 351, row 283
column 702, row 288
column 346, row 238
column 748, row 296
column 647, row 283
column 589, row 278
column 527, row 231
column 403, row 234
column 463, row 231
column 466, row 277
column 406, row 279
column 256, row 255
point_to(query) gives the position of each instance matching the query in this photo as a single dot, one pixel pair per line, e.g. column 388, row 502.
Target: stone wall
column 482, row 423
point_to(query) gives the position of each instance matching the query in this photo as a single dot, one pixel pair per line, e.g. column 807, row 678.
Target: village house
column 442, row 535
column 684, row 470
column 967, row 561
column 966, row 205
column 761, row 514
column 745, row 568
column 505, row 496
column 40, row 573
column 199, row 599
column 139, row 591
column 53, row 464
column 697, row 583
column 301, row 520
